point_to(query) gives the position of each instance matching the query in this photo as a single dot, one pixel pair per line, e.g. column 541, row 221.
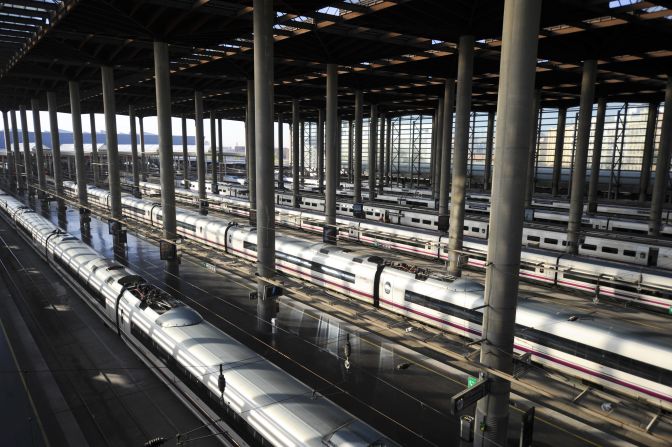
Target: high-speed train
column 614, row 354
column 433, row 244
column 635, row 284
column 623, row 248
column 237, row 384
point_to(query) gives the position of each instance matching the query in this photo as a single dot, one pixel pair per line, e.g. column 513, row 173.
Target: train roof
column 265, row 388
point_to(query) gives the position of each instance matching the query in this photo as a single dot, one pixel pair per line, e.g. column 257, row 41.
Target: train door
column 652, row 259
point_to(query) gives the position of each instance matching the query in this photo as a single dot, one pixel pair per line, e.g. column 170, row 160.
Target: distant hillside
column 66, row 138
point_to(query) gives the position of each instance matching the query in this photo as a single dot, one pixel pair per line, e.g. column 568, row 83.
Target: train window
column 475, row 229
column 611, row 250
column 414, row 220
column 427, row 222
column 443, row 307
column 465, row 228
column 249, row 246
column 548, row 240
column 533, row 238
column 629, row 253
column 529, row 268
column 589, row 247
column 564, row 243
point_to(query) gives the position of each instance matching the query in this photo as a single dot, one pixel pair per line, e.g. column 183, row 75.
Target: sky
column 233, row 132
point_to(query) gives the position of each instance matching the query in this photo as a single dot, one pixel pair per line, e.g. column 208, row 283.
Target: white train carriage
column 138, row 208
column 162, row 327
column 550, row 216
column 330, row 267
column 437, row 303
column 602, row 278
column 631, row 363
column 617, row 250
column 392, row 237
column 312, row 203
column 418, row 219
column 284, row 199
column 543, row 238
column 418, row 202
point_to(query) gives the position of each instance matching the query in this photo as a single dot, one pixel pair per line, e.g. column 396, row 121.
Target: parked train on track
column 597, row 277
column 614, row 354
column 232, row 380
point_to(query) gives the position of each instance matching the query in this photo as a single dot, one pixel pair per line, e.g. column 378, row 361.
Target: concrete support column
column 27, row 157
column 8, row 147
column 332, row 150
column 432, row 156
column 213, row 152
column 186, row 165
column 438, row 153
column 134, row 152
column 459, row 179
column 111, row 142
column 296, row 156
column 489, row 141
column 373, row 144
column 320, row 150
column 357, row 161
column 95, row 167
column 381, row 159
column 200, row 152
column 388, row 148
column 164, row 122
column 303, row 152
column 516, row 85
column 55, row 146
column 80, row 167
column 143, row 157
column 220, row 149
column 351, row 148
column 251, row 158
column 529, row 186
column 263, row 86
column 581, row 155
column 20, row 182
column 662, row 163
column 597, row 155
column 647, row 156
column 281, row 170
column 443, row 151
column 559, row 145
column 39, row 150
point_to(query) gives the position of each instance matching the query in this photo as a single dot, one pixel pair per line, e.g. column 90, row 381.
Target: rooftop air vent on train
column 179, row 317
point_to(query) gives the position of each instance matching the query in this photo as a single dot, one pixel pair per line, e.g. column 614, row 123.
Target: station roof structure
column 398, row 52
